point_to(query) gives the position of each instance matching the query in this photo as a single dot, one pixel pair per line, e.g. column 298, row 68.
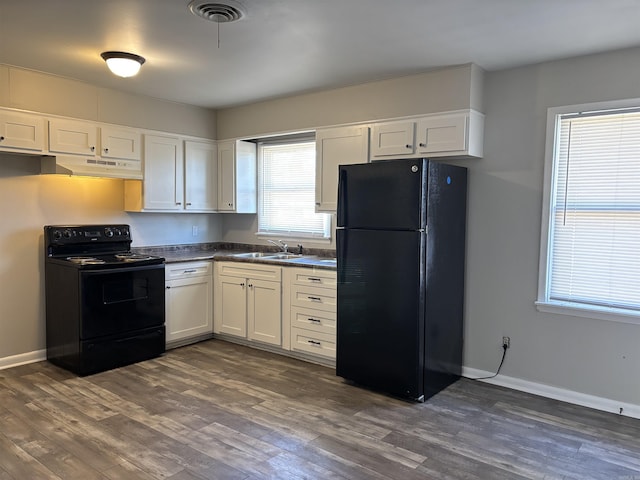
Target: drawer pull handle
column 189, row 271
column 314, row 343
column 315, row 299
column 314, row 320
column 314, row 279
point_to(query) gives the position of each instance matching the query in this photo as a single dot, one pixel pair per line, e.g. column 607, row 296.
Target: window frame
column 297, row 236
column 543, row 302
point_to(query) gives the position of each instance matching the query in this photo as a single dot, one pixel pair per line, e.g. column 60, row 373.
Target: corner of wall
column 476, row 98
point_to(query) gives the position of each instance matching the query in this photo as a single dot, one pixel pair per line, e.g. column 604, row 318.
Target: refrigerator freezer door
column 380, row 310
column 387, row 195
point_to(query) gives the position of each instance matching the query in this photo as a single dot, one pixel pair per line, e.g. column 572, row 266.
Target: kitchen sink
column 252, row 255
column 283, row 256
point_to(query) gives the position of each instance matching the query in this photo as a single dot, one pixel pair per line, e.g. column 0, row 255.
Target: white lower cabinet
column 189, row 301
column 311, row 314
column 248, row 301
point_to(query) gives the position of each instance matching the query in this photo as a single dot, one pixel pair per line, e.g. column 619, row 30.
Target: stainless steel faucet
column 280, row 244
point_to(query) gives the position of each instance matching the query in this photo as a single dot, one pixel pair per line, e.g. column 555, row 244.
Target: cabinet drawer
column 319, row 278
column 313, row 342
column 316, row 320
column 313, row 298
column 249, row 270
column 186, row 270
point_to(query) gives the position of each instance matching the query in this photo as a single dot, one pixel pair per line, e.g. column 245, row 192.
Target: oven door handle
column 124, row 300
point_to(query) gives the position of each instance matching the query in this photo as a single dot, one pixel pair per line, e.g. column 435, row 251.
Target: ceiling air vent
column 216, row 11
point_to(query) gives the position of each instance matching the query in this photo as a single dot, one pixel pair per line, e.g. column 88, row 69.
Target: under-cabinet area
column 285, row 309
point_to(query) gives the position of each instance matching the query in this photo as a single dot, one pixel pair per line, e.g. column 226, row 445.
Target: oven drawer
column 315, row 320
column 313, row 342
column 174, row 271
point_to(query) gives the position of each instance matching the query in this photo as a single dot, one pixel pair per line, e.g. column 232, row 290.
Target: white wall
column 505, row 199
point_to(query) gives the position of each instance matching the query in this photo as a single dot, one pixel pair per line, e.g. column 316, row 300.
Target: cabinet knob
column 178, row 203
column 242, row 285
column 423, row 145
column 1, row 139
column 250, row 285
column 188, row 203
column 93, row 149
column 408, row 146
column 230, row 204
column 106, row 150
column 167, row 287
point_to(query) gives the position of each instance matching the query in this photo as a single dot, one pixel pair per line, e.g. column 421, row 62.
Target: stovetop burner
column 132, row 257
column 86, row 260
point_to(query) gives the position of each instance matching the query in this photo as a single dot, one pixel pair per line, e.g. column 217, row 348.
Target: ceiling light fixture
column 123, row 64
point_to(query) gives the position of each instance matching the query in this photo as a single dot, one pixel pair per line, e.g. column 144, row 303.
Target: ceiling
column 282, row 47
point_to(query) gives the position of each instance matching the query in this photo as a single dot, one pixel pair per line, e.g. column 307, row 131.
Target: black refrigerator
column 401, row 258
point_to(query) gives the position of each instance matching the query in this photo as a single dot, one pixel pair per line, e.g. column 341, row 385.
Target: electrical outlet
column 194, row 230
column 506, row 342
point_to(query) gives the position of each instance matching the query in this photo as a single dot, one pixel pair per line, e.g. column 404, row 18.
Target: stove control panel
column 72, row 234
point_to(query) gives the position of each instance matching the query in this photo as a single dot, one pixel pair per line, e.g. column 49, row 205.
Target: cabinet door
column 200, row 176
column 69, row 136
column 189, row 307
column 264, row 309
column 230, row 306
column 396, row 138
column 21, row 131
column 120, row 142
column 226, row 177
column 335, row 147
column 446, row 133
column 163, row 173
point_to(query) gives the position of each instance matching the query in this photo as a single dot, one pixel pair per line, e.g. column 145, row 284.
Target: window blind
column 595, row 211
column 286, row 204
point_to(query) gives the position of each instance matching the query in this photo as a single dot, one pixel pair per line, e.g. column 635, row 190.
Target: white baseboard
column 569, row 396
column 22, row 359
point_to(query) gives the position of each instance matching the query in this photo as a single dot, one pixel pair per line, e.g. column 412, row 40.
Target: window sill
column 294, row 238
column 599, row 313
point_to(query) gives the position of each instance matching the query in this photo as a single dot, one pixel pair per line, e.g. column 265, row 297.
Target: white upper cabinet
column 21, row 132
column 163, row 173
column 335, row 147
column 454, row 134
column 73, row 136
column 392, row 139
column 200, row 176
column 237, row 177
column 120, row 142
column 163, row 186
column 179, row 176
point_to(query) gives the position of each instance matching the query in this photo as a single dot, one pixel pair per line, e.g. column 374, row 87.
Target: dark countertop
column 313, row 258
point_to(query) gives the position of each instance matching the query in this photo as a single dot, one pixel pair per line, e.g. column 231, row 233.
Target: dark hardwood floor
column 216, row 410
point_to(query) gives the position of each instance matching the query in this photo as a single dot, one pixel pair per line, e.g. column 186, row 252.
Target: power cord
column 504, row 354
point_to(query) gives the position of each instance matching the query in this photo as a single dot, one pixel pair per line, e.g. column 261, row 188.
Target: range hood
column 91, row 167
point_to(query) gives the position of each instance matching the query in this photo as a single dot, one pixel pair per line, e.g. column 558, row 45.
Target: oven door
column 121, row 300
